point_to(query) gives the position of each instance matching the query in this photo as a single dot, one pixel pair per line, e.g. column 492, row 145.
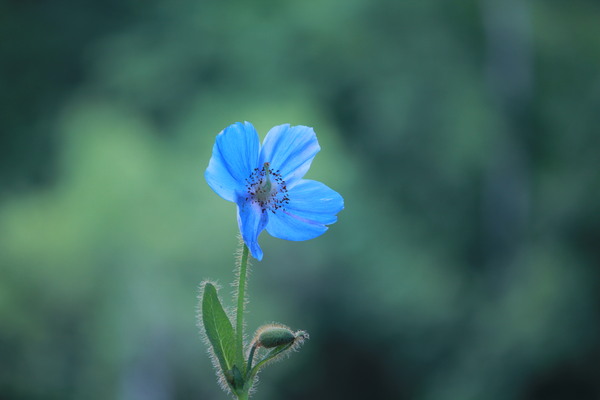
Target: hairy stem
column 251, row 356
column 241, row 297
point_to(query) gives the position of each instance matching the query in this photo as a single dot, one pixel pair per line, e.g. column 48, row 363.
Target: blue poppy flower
column 267, row 186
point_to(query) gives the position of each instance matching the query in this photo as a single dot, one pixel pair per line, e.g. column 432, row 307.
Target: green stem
column 271, row 355
column 241, row 297
column 251, row 356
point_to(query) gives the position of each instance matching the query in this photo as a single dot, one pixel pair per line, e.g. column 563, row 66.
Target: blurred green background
column 463, row 136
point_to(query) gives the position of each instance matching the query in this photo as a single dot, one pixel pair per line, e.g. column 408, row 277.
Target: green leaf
column 235, row 379
column 238, row 379
column 218, row 327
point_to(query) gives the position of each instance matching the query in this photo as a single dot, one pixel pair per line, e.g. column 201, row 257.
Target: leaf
column 238, row 379
column 218, row 327
column 234, row 378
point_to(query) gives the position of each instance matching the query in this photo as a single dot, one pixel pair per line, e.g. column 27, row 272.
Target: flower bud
column 273, row 336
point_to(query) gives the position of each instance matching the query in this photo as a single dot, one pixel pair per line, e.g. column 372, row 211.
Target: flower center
column 267, row 188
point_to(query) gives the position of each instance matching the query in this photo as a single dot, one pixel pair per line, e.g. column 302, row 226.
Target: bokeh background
column 463, row 136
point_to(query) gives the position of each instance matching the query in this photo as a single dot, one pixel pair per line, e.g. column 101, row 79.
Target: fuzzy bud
column 273, row 336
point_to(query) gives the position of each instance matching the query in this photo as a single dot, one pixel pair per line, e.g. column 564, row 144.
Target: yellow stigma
column 264, row 191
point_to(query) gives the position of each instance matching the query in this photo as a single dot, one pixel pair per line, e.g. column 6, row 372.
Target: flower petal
column 312, row 206
column 290, row 150
column 235, row 155
column 251, row 221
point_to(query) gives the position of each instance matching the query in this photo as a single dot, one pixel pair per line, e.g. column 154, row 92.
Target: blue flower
column 267, row 186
